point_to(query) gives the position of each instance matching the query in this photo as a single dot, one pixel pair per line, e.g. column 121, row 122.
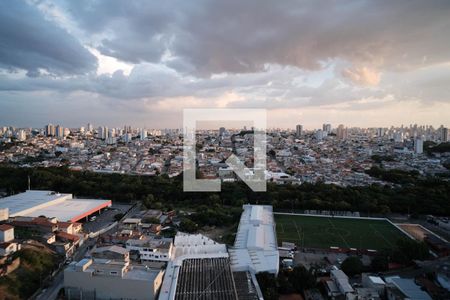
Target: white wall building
column 151, row 249
column 255, row 247
column 6, row 233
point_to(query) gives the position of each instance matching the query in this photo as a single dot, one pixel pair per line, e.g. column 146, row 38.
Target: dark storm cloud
column 243, row 36
column 30, row 42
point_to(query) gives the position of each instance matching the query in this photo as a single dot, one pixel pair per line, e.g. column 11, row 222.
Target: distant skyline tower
column 102, row 132
column 143, row 134
column 320, row 134
column 418, row 146
column 326, row 128
column 50, row 130
column 299, row 130
column 444, row 134
column 21, row 135
column 221, row 131
column 59, row 131
column 341, row 132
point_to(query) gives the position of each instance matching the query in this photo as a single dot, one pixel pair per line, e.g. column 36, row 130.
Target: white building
column 34, row 203
column 143, row 134
column 7, row 244
column 21, row 135
column 6, row 233
column 188, row 247
column 151, row 249
column 418, row 146
column 341, row 281
column 255, row 248
column 127, row 137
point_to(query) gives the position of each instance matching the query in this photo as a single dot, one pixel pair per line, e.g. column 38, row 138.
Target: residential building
column 151, row 249
column 109, row 275
column 6, row 233
column 299, row 130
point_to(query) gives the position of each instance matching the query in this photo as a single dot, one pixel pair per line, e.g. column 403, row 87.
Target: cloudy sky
column 360, row 63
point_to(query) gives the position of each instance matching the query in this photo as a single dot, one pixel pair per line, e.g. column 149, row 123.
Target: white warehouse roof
column 255, row 247
column 34, row 203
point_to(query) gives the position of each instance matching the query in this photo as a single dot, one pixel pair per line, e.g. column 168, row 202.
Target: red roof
column 64, row 224
column 67, row 236
column 4, row 227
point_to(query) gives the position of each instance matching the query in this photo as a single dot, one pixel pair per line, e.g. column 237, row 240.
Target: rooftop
column 206, row 278
column 4, row 227
column 34, row 203
column 411, row 290
column 256, row 246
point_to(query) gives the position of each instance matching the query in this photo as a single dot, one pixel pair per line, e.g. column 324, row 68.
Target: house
column 131, row 223
column 6, row 233
column 341, row 281
column 402, row 289
column 151, row 249
column 64, row 236
column 40, row 224
column 8, row 248
column 69, row 227
column 154, row 229
column 49, row 238
column 111, row 253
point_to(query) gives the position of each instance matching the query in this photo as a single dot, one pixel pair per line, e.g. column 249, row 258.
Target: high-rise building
column 50, row 130
column 319, row 134
column 21, row 135
column 90, row 127
column 299, row 130
column 102, row 132
column 418, row 146
column 444, row 134
column 380, row 132
column 341, row 132
column 326, row 128
column 398, row 137
column 111, row 132
column 143, row 134
column 221, row 131
column 59, row 131
column 127, row 137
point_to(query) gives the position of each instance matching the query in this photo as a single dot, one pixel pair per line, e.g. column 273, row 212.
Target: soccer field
column 325, row 232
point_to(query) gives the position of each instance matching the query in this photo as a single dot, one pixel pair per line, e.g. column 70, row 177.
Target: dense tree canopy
column 420, row 196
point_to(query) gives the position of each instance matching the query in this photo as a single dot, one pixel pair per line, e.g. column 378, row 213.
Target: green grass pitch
column 325, row 232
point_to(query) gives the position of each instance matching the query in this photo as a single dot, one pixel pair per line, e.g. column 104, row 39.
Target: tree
column 148, row 201
column 409, row 250
column 380, row 262
column 301, row 279
column 118, row 216
column 188, row 225
column 352, row 266
column 268, row 284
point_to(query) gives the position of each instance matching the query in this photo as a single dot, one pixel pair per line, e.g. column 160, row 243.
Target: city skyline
column 306, row 63
column 333, row 127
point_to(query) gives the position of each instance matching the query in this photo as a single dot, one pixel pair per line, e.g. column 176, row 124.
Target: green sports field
column 325, row 232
